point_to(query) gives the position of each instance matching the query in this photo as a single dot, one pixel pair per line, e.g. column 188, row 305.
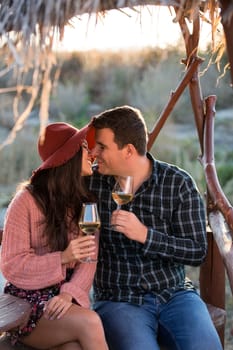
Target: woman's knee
column 68, row 346
column 84, row 320
column 93, row 322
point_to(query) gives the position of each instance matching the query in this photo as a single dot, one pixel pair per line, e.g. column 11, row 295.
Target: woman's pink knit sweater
column 25, row 258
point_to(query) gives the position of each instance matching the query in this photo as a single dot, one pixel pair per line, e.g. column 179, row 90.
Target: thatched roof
column 42, row 17
column 27, row 28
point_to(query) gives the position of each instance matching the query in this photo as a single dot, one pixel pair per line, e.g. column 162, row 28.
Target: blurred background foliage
column 92, row 81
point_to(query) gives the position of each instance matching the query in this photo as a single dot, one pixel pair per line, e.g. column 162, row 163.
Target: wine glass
column 122, row 191
column 89, row 223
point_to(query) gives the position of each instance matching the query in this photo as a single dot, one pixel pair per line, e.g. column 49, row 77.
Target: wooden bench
column 218, row 316
column 13, row 312
column 6, row 345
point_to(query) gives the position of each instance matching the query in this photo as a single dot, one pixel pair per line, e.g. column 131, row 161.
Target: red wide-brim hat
column 60, row 142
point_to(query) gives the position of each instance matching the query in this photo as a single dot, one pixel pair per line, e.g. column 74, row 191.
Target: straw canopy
column 30, row 17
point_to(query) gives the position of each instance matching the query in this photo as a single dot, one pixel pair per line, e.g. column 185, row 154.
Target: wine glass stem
column 118, row 206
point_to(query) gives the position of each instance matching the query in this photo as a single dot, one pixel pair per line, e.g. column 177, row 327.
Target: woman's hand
column 57, row 306
column 79, row 248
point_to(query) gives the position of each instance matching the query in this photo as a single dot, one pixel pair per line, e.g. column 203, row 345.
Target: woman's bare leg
column 77, row 325
column 68, row 346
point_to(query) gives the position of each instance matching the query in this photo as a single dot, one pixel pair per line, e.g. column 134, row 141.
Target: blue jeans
column 183, row 323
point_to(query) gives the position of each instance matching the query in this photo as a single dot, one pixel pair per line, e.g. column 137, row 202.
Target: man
column 140, row 289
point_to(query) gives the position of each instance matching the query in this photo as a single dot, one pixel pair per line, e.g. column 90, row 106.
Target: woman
column 42, row 246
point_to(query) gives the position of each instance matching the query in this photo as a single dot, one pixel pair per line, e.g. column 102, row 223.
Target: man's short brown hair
column 127, row 124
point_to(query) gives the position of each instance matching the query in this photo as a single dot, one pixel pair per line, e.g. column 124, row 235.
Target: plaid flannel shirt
column 171, row 207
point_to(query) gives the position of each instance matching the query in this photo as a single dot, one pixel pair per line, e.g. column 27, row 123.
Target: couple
column 141, row 294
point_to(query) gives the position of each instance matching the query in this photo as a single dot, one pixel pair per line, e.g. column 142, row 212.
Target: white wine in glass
column 122, row 192
column 89, row 223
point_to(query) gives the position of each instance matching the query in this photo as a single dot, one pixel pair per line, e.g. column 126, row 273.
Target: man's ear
column 130, row 150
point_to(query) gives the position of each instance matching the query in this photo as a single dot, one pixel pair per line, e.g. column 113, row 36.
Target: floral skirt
column 37, row 299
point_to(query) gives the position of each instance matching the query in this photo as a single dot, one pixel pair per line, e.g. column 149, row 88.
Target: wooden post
column 212, row 280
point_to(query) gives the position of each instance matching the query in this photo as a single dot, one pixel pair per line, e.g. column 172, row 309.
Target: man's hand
column 127, row 223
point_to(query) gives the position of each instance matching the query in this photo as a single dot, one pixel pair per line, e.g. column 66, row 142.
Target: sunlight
column 129, row 29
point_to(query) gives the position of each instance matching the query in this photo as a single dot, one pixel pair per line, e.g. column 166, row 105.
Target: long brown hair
column 60, row 193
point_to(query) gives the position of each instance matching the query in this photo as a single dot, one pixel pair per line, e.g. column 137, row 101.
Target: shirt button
column 144, row 286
